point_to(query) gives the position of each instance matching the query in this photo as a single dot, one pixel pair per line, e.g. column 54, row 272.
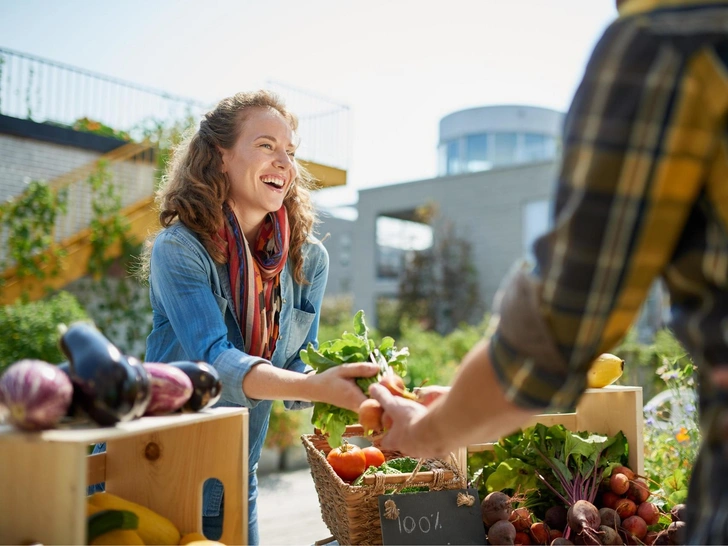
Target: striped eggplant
column 108, row 385
column 205, row 382
column 171, row 388
column 36, row 393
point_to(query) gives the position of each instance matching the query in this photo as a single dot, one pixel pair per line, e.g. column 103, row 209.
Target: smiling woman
column 236, row 276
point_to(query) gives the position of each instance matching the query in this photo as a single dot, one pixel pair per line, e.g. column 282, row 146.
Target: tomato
column 374, row 456
column 348, row 461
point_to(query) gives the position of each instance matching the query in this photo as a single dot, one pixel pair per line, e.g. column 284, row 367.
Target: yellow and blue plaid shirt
column 642, row 193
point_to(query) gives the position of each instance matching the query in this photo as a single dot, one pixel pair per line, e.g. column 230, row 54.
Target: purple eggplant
column 144, row 386
column 205, row 382
column 109, row 386
column 171, row 388
column 36, row 393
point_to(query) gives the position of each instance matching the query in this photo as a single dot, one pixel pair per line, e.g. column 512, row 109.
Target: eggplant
column 205, row 381
column 144, row 384
column 109, row 386
column 36, row 393
column 171, row 388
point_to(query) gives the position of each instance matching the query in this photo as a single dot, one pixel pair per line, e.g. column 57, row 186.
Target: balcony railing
column 47, row 91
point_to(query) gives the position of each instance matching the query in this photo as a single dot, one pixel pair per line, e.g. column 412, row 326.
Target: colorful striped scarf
column 255, row 278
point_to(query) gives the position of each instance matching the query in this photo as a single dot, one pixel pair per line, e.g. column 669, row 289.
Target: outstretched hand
column 337, row 385
column 405, row 414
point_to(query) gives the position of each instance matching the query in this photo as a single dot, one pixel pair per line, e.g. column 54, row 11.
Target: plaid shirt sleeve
column 639, row 154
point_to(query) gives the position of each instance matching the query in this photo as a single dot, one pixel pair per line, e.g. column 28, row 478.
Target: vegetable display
column 206, row 384
column 550, row 485
column 36, row 393
column 354, row 347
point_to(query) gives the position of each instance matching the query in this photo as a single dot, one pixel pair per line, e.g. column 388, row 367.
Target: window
column 505, row 147
column 453, row 157
column 538, row 147
column 476, row 153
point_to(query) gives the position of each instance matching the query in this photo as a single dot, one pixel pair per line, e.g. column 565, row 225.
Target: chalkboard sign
column 436, row 517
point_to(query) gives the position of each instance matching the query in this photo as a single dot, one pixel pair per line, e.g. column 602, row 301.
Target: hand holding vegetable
column 403, row 413
column 337, row 385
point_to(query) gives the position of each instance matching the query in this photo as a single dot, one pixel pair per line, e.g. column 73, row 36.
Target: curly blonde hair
column 194, row 187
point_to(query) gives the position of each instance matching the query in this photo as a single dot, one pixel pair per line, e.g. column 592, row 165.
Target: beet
column 502, row 532
column 678, row 512
column 171, row 388
column 561, row 542
column 540, row 533
column 619, row 483
column 36, row 393
column 676, row 532
column 610, row 518
column 609, row 535
column 521, row 519
column 635, row 526
column 496, row 506
column 626, row 508
column 648, row 512
column 555, row 517
column 583, row 519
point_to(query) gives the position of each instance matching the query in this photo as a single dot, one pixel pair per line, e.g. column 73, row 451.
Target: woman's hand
column 337, row 386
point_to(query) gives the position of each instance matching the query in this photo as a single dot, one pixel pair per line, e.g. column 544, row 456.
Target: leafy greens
column 351, row 347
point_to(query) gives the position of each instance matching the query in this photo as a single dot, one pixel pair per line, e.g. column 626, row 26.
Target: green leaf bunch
column 351, row 347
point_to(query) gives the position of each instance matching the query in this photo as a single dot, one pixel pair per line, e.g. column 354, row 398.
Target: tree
column 439, row 285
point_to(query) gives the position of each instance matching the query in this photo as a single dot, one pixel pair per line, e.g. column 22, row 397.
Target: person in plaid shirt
column 642, row 193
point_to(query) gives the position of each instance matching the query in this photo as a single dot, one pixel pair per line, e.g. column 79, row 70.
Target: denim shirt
column 194, row 319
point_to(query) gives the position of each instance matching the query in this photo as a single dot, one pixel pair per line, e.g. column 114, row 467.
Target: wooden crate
column 159, row 462
column 603, row 411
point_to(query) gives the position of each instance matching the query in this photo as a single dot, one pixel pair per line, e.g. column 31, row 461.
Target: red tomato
column 348, row 461
column 374, row 456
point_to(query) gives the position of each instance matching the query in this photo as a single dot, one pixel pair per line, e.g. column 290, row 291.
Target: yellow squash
column 118, row 537
column 605, row 370
column 153, row 528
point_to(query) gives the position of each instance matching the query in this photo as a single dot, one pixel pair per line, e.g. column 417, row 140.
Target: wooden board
column 603, row 411
column 160, row 462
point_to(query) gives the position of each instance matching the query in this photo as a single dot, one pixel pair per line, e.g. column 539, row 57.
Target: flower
column 682, row 435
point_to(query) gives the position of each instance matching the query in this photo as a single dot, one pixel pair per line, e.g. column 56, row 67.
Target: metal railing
column 41, row 90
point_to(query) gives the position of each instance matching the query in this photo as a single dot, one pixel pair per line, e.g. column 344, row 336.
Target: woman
column 236, row 275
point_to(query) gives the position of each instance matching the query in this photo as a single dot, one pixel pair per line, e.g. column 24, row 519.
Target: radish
column 36, row 393
column 583, row 519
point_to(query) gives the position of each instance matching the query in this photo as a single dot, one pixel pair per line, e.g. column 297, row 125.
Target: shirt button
column 284, row 300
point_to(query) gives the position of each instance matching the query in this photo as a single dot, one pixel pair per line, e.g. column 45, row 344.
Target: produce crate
column 159, row 462
column 352, row 512
column 603, row 411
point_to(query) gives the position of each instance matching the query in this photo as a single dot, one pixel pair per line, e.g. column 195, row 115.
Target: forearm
column 266, row 382
column 475, row 410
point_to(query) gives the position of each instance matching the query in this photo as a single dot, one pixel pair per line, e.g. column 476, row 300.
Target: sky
column 399, row 65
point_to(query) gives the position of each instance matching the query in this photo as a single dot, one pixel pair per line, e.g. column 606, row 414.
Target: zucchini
column 110, row 520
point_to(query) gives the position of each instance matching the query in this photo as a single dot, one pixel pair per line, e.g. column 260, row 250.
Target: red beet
column 583, row 519
column 496, row 506
column 648, row 512
column 502, row 532
column 619, row 483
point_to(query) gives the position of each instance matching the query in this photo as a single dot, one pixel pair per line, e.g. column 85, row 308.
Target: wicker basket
column 352, row 512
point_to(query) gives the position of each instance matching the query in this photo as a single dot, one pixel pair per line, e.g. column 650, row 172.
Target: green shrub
column 30, row 330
